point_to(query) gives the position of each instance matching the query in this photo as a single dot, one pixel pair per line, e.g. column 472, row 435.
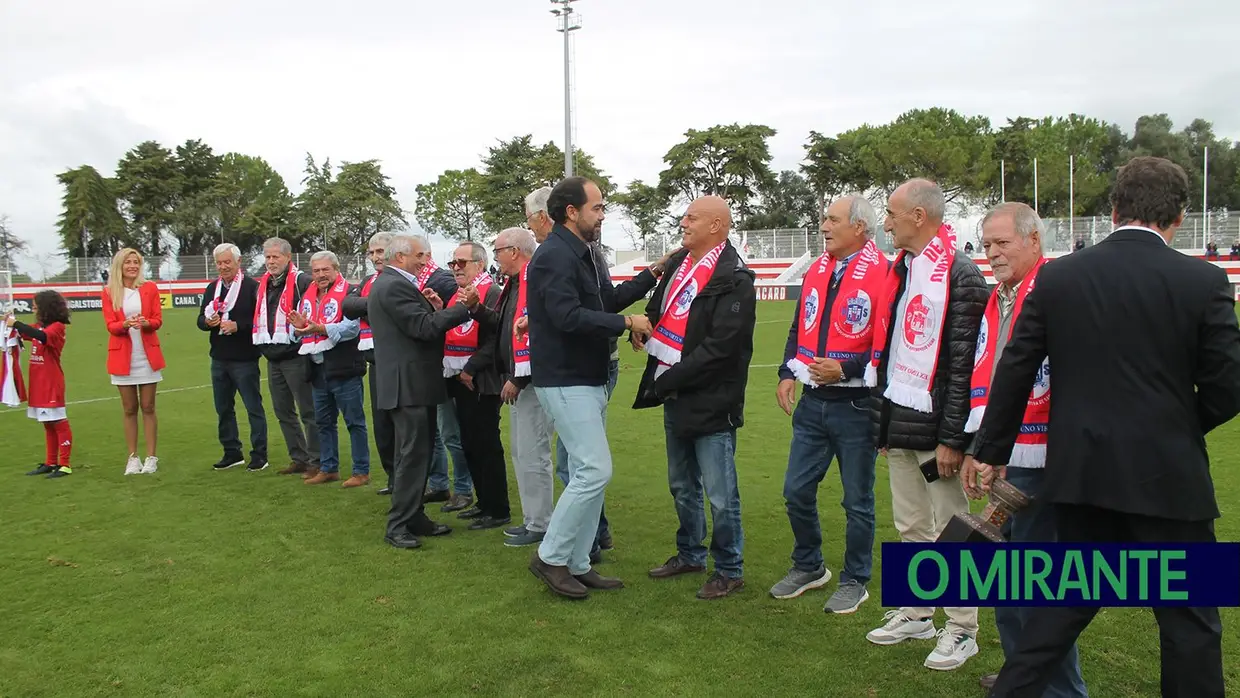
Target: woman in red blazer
column 131, row 309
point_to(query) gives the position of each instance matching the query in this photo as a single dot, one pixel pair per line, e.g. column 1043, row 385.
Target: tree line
column 187, row 199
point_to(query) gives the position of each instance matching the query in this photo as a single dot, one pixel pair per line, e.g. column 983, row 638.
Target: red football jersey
column 45, row 384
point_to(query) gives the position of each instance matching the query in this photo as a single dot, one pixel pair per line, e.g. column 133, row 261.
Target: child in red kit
column 45, row 382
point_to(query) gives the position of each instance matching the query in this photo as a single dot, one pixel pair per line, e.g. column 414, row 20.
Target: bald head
column 705, row 225
column 915, row 212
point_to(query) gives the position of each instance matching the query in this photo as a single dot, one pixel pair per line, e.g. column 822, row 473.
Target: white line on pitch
column 20, row 410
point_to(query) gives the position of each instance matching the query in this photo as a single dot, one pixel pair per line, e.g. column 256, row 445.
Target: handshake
column 639, row 329
column 469, row 297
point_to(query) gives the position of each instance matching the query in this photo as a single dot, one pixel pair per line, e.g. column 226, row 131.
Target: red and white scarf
column 366, row 337
column 327, row 312
column 12, row 387
column 283, row 332
column 521, row 345
column 462, row 341
column 915, row 348
column 222, row 307
column 851, row 330
column 1030, row 449
column 425, row 275
column 668, row 340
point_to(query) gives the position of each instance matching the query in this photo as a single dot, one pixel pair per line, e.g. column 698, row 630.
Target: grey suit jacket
column 409, row 336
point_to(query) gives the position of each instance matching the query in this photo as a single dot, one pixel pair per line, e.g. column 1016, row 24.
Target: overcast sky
column 426, row 87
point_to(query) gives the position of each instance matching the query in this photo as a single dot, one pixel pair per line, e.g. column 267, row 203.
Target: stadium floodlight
column 568, row 22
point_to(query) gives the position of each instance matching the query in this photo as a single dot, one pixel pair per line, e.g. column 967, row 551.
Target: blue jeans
column 333, row 397
column 227, row 379
column 577, row 413
column 706, row 463
column 561, row 458
column 1035, row 524
column 823, row 430
column 448, row 440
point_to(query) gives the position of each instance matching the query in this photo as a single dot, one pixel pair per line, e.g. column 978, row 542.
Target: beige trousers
column 921, row 509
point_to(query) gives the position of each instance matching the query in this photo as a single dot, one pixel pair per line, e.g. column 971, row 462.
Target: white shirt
column 1141, row 227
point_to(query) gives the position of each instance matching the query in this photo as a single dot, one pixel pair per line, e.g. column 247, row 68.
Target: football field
column 192, row 582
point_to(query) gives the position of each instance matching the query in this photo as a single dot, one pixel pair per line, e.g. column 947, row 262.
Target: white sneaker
column 952, row 650
column 133, row 466
column 150, row 465
column 899, row 628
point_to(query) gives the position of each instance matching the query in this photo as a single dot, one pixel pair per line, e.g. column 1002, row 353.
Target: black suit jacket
column 1145, row 349
column 408, row 336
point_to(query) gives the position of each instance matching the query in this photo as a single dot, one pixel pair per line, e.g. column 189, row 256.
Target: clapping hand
column 143, row 322
column 433, row 298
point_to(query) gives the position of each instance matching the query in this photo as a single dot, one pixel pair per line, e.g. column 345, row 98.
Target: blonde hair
column 116, row 273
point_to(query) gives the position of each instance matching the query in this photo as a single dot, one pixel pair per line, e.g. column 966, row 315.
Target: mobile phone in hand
column 930, row 469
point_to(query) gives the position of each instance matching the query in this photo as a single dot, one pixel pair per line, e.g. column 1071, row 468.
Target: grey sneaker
column 514, row 531
column 527, row 538
column 847, row 598
column 797, row 582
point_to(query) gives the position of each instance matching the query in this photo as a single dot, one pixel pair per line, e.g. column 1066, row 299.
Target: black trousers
column 478, row 416
column 384, row 429
column 415, row 437
column 1190, row 638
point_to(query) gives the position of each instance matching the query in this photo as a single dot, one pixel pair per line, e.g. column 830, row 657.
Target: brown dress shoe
column 457, row 503
column 594, row 580
column 309, row 473
column 321, row 477
column 719, row 586
column 673, row 567
column 356, row 481
column 558, row 579
column 294, row 469
column 988, row 681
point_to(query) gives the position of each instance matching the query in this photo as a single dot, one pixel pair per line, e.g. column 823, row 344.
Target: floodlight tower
column 568, row 22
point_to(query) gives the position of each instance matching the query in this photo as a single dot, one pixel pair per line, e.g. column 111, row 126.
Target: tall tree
column 365, row 204
column 516, row 167
column 731, row 161
column 196, row 221
column 1093, row 145
column 314, row 212
column 10, row 244
column 90, row 224
column 940, row 144
column 148, row 182
column 251, row 201
column 787, row 202
column 646, row 209
column 452, row 205
column 832, row 167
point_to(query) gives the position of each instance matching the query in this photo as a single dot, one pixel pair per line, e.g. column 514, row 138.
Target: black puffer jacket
column 895, row 426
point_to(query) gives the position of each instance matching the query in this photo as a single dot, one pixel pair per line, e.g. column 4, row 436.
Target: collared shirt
column 1141, row 227
column 343, row 331
column 412, row 279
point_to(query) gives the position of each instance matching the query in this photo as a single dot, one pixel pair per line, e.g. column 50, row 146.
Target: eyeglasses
column 497, row 250
column 459, row 263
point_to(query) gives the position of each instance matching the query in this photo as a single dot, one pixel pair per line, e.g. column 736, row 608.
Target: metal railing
column 80, row 270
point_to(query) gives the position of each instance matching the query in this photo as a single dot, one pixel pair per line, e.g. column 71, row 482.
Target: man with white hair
column 531, row 432
column 536, row 216
column 329, row 340
column 227, row 313
column 827, row 350
column 1012, row 240
column 927, row 320
column 280, row 290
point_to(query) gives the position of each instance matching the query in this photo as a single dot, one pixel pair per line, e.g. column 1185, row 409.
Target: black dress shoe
column 385, row 490
column 436, row 496
column 405, row 541
column 434, row 529
column 485, row 522
column 470, row 513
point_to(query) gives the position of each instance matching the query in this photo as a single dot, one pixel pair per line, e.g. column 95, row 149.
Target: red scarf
column 521, row 345
column 462, row 341
column 12, row 387
column 1030, row 450
column 915, row 352
column 425, row 275
column 668, row 340
column 366, row 338
column 852, row 328
column 282, row 333
column 326, row 313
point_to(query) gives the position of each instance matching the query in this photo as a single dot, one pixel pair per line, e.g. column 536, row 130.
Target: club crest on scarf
column 920, row 323
column 983, row 346
column 855, row 314
column 685, row 300
column 1041, row 384
column 811, row 310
